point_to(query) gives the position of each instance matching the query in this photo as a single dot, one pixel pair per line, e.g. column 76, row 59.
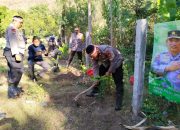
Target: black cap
column 17, row 16
column 36, row 38
column 174, row 34
column 90, row 49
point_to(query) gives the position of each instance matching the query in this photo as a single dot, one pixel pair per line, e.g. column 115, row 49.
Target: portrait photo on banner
column 164, row 77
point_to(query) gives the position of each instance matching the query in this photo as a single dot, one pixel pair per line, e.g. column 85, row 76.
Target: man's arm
column 95, row 72
column 95, row 68
column 44, row 50
column 113, row 62
column 158, row 67
column 30, row 53
column 173, row 67
column 13, row 40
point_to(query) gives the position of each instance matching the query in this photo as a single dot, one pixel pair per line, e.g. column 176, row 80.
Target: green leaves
column 64, row 50
column 76, row 16
column 167, row 10
column 5, row 19
column 41, row 21
column 37, row 21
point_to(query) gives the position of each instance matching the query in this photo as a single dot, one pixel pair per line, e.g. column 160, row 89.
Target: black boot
column 118, row 102
column 20, row 90
column 12, row 92
column 94, row 92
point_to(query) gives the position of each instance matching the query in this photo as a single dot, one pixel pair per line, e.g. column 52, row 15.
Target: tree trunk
column 111, row 24
column 63, row 26
column 88, row 34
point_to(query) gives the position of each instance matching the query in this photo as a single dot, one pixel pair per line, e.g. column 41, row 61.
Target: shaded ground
column 48, row 105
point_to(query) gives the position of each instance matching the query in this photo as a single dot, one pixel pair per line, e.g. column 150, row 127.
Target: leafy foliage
column 39, row 21
column 5, row 18
column 64, row 50
column 3, row 69
column 158, row 110
column 76, row 16
column 167, row 10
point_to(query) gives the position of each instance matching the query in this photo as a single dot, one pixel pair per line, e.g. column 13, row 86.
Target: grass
column 29, row 111
column 3, row 69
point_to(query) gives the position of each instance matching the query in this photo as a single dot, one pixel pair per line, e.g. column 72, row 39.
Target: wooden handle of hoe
column 78, row 96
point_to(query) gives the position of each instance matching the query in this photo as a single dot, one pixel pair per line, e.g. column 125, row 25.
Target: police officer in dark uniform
column 14, row 53
column 106, row 61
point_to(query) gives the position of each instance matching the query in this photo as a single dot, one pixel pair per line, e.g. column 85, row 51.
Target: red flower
column 131, row 80
column 89, row 72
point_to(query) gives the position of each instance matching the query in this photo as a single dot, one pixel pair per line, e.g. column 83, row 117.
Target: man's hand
column 174, row 66
column 45, row 53
column 18, row 57
column 38, row 53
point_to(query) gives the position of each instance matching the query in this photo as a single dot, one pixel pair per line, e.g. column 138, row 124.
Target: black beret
column 90, row 49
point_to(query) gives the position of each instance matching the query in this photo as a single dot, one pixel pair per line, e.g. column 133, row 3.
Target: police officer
column 14, row 53
column 35, row 52
column 76, row 45
column 106, row 61
column 52, row 43
column 53, row 49
column 168, row 63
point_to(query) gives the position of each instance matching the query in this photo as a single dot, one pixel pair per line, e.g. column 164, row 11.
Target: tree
column 5, row 19
column 167, row 10
column 39, row 19
column 88, row 35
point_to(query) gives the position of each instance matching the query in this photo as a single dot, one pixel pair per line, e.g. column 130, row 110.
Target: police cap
column 174, row 34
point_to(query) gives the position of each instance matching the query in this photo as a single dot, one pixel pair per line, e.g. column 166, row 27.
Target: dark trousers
column 71, row 56
column 15, row 69
column 118, row 80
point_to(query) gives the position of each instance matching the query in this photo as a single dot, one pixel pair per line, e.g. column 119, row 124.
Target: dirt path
column 48, row 105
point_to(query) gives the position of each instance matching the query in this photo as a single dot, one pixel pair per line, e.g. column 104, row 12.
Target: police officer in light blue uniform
column 14, row 53
column 76, row 45
column 168, row 63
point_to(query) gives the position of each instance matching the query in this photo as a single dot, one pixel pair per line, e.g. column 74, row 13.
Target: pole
column 140, row 51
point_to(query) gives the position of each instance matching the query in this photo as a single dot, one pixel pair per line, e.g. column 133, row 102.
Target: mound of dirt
column 69, row 75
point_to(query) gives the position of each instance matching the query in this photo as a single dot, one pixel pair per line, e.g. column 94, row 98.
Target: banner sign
column 164, row 78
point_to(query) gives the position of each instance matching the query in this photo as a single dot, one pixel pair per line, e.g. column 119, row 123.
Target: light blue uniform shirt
column 164, row 60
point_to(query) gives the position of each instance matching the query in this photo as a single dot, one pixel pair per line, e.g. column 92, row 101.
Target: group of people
column 106, row 60
column 14, row 54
